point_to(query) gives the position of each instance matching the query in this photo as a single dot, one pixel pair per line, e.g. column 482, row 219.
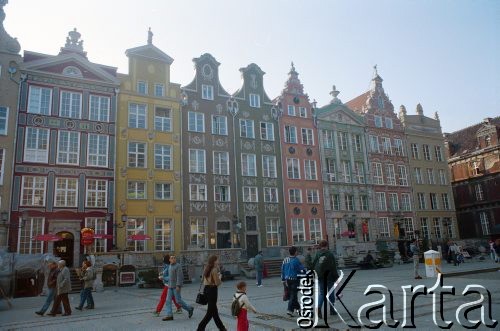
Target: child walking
column 241, row 296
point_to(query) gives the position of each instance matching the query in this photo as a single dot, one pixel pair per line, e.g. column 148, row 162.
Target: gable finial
column 150, row 36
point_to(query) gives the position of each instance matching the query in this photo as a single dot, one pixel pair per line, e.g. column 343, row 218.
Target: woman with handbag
column 211, row 280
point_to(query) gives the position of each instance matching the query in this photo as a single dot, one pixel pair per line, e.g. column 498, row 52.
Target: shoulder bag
column 201, row 298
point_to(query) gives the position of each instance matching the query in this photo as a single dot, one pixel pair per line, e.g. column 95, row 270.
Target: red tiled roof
column 464, row 140
column 358, row 102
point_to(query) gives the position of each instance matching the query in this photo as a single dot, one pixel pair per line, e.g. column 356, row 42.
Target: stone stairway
column 350, row 263
column 76, row 283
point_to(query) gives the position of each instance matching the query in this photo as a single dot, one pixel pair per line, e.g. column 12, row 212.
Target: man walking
column 63, row 288
column 416, row 257
column 175, row 282
column 51, row 284
column 290, row 269
column 258, row 262
column 326, row 268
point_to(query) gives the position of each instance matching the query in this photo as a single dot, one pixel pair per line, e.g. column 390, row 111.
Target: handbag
column 201, row 298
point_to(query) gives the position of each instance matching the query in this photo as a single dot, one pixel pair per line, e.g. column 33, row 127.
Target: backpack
column 236, row 306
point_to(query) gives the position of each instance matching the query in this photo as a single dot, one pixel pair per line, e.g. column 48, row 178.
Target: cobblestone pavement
column 131, row 308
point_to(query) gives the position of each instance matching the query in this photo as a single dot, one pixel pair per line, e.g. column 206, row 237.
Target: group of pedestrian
column 59, row 285
column 495, row 250
column 454, row 254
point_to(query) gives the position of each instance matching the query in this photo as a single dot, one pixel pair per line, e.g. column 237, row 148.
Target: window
column 269, row 166
column 418, row 175
column 272, row 232
column 33, row 226
column 207, row 92
column 271, row 194
column 439, row 153
column 39, row 100
column 442, row 177
column 137, row 155
column 298, row 232
column 414, row 152
column 250, row 194
column 424, row 227
column 315, row 230
column 408, row 226
column 310, row 170
column 346, row 171
column 360, row 172
column 2, row 166
column 290, row 134
column 381, row 203
column 4, row 120
column 330, row 169
column 197, row 192
column 295, row 195
column 390, row 176
column 163, row 119
column 421, row 201
column 248, row 165
column 327, row 138
column 97, row 193
column 374, row 144
column 363, row 202
column 448, row 226
column 197, row 161
column 437, row 227
column 136, row 225
column 142, row 87
column 221, row 163
column 293, row 168
column 357, row 142
column 446, row 201
column 434, row 201
column 99, row 108
column 291, row 110
column 137, row 117
column 349, row 202
column 163, row 191
column 163, row 234
column 136, row 190
column 66, row 193
column 254, row 100
column 383, row 227
column 198, row 232
column 302, row 112
column 33, row 193
column 378, row 121
column 247, row 129
column 393, row 202
column 403, row 175
column 430, row 176
column 377, row 173
column 163, row 157
column 485, row 224
column 219, row 125
column 388, row 123
column 71, row 104
column 97, row 150
column 68, row 147
column 221, row 193
column 398, row 147
column 405, row 202
column 479, row 192
column 36, row 148
column 159, row 90
column 99, row 225
column 427, row 152
column 267, row 131
column 343, row 140
column 386, row 144
column 196, row 122
column 312, row 196
column 335, row 200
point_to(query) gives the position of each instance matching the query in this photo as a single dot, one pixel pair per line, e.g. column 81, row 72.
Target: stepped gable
column 465, row 140
column 7, row 43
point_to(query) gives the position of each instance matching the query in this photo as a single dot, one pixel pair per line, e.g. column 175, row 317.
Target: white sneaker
column 260, row 285
column 289, row 313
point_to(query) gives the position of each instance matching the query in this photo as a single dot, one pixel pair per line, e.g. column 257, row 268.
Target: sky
column 443, row 54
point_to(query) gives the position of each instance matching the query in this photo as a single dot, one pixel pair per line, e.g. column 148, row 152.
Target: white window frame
column 2, row 167
column 381, row 201
column 66, row 152
column 398, row 147
column 142, row 87
column 99, row 157
column 267, row 131
column 69, row 113
column 219, row 127
column 163, row 234
column 271, row 194
column 431, row 180
column 342, row 140
column 198, row 232
column 133, row 150
column 315, row 230
column 298, row 230
column 390, row 175
column 35, row 192
column 197, row 161
column 291, row 110
column 137, row 116
column 35, row 106
column 99, row 108
column 422, row 203
column 247, row 129
column 221, row 163
column 269, row 166
column 388, row 123
column 290, row 134
column 424, row 227
column 207, row 92
column 198, row 192
column 357, row 142
column 163, row 123
column 163, row 156
column 406, row 202
column 136, row 225
column 36, row 155
column 220, row 195
column 438, row 151
column 4, row 120
column 418, row 175
column 65, row 192
column 272, row 232
column 446, row 201
column 360, row 172
column 99, row 193
column 254, row 100
column 312, row 196
column 403, row 175
column 363, row 202
column 485, row 223
column 100, row 226
column 33, row 226
column 378, row 121
column 137, row 190
column 159, row 88
column 163, row 191
column 310, row 171
column 478, row 189
column 415, row 153
column 295, row 195
column 250, row 194
column 374, row 144
column 349, row 202
column 386, row 145
column 383, row 227
column 196, row 122
column 393, row 202
column 248, row 165
column 427, row 152
column 327, row 137
column 378, row 176
column 303, row 112
column 293, row 168
column 443, row 180
column 307, row 137
column 436, row 224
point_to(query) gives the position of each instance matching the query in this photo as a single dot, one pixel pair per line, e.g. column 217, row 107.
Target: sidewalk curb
column 469, row 272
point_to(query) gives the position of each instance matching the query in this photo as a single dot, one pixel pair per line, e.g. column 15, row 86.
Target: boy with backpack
column 240, row 306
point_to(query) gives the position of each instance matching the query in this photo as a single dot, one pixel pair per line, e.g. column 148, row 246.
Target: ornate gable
column 206, row 72
column 149, row 51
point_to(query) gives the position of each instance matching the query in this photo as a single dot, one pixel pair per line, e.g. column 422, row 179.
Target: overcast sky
column 442, row 54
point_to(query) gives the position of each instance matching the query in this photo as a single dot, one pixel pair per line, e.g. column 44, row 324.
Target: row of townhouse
column 152, row 167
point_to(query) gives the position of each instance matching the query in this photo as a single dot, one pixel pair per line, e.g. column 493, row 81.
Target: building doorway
column 252, row 245
column 64, row 248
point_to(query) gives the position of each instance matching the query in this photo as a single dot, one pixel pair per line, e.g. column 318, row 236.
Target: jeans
column 86, row 294
column 293, row 291
column 259, row 276
column 163, row 297
column 322, row 294
column 212, row 311
column 50, row 297
column 172, row 292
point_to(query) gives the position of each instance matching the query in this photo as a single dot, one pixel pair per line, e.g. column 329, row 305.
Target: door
column 64, row 248
column 252, row 245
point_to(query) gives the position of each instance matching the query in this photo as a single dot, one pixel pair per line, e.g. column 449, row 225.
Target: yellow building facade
column 148, row 158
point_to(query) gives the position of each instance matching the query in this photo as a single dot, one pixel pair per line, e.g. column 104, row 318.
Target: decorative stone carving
column 269, row 182
column 151, row 135
column 195, row 105
column 269, row 207
column 151, row 207
column 177, row 175
column 248, row 145
column 124, row 133
column 207, row 72
column 197, row 178
column 197, row 140
column 176, row 138
column 151, row 174
column 198, row 206
column 265, row 117
column 222, row 207
column 178, row 208
column 69, row 124
column 267, row 147
column 99, row 127
column 123, row 171
column 38, row 121
column 249, row 181
column 123, row 206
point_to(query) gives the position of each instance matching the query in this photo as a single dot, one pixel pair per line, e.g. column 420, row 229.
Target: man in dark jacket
column 63, row 288
column 51, row 284
column 290, row 269
column 258, row 262
column 326, row 268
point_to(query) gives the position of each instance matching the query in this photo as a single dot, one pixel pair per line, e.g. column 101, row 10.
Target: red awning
column 47, row 237
column 103, row 236
column 139, row 237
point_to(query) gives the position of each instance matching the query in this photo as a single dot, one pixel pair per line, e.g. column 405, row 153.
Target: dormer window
column 142, row 87
column 388, row 123
column 254, row 100
column 207, row 92
column 378, row 121
column 159, row 90
column 72, row 71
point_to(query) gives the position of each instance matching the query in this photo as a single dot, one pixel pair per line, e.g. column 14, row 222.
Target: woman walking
column 164, row 278
column 211, row 280
column 88, row 277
